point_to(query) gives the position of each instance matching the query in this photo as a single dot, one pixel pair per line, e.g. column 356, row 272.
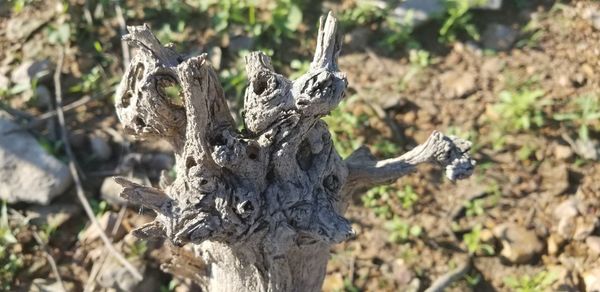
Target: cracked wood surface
column 254, row 210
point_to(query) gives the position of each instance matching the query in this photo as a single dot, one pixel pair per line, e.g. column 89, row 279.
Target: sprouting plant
column 363, row 13
column 349, row 286
column 585, row 115
column 344, row 126
column 526, row 283
column 398, row 33
column 166, row 34
column 458, row 19
column 473, row 242
column 284, row 18
column 520, row 110
column 138, row 249
column 525, row 151
column 474, row 208
column 472, row 280
column 401, row 231
column 99, row 207
column 378, row 199
column 407, row 197
column 419, row 59
column 89, row 82
column 18, row 5
column 10, row 263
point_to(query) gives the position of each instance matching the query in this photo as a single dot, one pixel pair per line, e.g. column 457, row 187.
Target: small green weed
column 378, row 199
column 344, row 127
column 401, row 231
column 585, row 116
column 539, row 282
column 138, row 249
column 474, row 208
column 520, row 110
column 473, row 242
column 407, row 197
column 457, row 20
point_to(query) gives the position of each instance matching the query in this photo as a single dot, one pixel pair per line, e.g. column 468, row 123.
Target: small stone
column 585, row 226
column 47, row 285
column 593, row 243
column 100, row 147
column 519, row 245
column 555, row 178
column 499, row 37
column 30, row 70
column 52, row 215
column 566, row 209
column 402, row 273
column 578, row 79
column 486, row 236
column 593, row 16
column 562, row 152
column 566, row 227
column 27, row 172
column 457, row 85
column 553, row 245
column 591, row 278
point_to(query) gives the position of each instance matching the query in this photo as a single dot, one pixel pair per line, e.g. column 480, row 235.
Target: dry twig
column 444, row 281
column 75, row 174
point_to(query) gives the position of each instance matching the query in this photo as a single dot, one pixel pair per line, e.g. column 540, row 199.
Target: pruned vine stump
column 258, row 209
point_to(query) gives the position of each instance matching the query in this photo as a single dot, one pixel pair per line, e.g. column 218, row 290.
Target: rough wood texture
column 259, row 209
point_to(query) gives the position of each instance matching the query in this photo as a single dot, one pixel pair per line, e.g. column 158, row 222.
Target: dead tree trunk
column 255, row 210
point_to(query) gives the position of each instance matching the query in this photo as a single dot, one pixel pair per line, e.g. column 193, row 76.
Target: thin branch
column 75, row 174
column 445, row 280
column 45, row 248
column 123, row 30
column 99, row 264
column 447, row 151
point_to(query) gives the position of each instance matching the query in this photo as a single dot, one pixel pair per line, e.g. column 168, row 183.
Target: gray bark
column 255, row 210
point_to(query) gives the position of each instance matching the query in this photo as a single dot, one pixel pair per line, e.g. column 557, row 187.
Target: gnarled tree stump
column 255, row 210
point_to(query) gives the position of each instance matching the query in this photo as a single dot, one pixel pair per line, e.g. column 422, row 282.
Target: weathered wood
column 259, row 208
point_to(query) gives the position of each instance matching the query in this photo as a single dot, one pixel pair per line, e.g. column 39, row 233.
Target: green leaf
column 294, row 18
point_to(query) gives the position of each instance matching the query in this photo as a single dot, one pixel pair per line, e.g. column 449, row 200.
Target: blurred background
column 519, row 78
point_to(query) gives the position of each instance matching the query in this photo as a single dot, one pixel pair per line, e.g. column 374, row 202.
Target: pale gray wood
column 254, row 210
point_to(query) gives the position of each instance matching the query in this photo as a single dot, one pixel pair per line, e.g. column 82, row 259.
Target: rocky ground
column 526, row 93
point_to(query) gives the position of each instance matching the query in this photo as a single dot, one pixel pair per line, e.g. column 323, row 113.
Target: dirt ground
column 527, row 220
